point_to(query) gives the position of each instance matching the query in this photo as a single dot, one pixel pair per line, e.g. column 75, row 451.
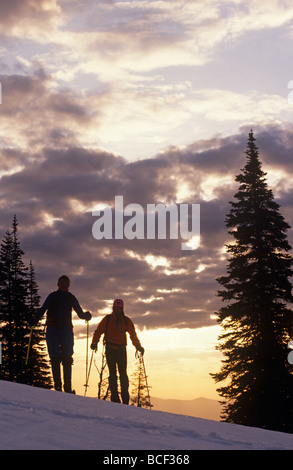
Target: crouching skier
column 59, row 332
column 114, row 328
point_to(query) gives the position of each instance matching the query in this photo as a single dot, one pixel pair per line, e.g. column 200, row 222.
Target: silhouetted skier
column 59, row 332
column 114, row 328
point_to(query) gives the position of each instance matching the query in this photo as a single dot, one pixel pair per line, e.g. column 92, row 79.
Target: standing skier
column 59, row 333
column 114, row 328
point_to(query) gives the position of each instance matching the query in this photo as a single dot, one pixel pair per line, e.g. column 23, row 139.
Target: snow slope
column 37, row 419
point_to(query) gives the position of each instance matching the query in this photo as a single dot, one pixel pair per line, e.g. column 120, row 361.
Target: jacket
column 115, row 336
column 59, row 307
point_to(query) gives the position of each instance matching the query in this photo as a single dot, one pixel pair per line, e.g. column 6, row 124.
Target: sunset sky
column 152, row 101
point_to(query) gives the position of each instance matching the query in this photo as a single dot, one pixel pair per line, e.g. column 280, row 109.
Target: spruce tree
column 256, row 320
column 13, row 308
column 38, row 368
column 18, row 295
column 6, row 370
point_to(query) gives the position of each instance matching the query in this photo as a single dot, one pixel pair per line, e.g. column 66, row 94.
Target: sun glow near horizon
column 178, row 362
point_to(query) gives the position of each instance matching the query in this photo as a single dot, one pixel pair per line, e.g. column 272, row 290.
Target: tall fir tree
column 13, row 308
column 257, row 320
column 15, row 305
column 38, row 368
column 6, row 370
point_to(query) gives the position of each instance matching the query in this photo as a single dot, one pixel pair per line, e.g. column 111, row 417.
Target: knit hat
column 118, row 303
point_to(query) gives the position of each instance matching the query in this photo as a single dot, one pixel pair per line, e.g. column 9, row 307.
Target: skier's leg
column 124, row 382
column 111, row 356
column 54, row 351
column 67, row 341
column 67, row 373
column 55, row 364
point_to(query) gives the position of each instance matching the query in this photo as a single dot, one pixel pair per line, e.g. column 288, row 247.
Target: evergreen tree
column 13, row 308
column 38, row 368
column 6, row 370
column 18, row 293
column 257, row 322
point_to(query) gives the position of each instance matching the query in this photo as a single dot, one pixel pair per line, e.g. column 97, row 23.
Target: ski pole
column 88, row 375
column 29, row 345
column 87, row 350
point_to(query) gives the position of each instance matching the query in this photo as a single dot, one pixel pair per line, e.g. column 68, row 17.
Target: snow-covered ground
column 37, row 419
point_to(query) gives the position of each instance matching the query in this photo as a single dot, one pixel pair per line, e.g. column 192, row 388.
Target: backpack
column 106, row 328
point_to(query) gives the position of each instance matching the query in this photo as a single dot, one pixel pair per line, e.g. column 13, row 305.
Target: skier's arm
column 40, row 311
column 98, row 332
column 133, row 336
column 77, row 308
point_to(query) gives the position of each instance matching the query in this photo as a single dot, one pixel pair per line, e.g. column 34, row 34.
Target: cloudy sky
column 152, row 101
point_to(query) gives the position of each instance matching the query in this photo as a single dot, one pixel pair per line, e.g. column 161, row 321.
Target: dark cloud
column 18, row 14
column 66, row 103
column 272, row 142
column 35, row 114
column 163, row 286
column 10, row 157
column 65, row 96
column 20, row 93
